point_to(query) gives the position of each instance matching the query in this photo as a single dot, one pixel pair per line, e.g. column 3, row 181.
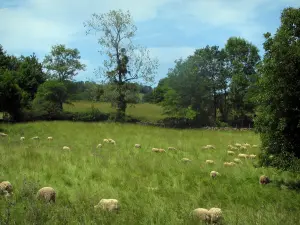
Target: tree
column 50, row 96
column 278, row 99
column 241, row 63
column 126, row 61
column 63, row 63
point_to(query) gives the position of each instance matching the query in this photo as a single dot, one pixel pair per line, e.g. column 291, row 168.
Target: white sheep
column 208, row 147
column 236, row 160
column 185, row 160
column 252, row 156
column 47, row 194
column 215, row 215
column 171, row 148
column 6, row 188
column 237, row 144
column 230, row 152
column 230, row 146
column 243, row 147
column 229, row 164
column 263, row 179
column 108, row 204
column 22, row 138
column 3, row 134
column 201, row 214
column 49, row 138
column 155, row 149
column 209, row 161
column 99, row 146
column 105, row 140
column 254, row 146
column 35, row 138
column 243, row 156
column 246, row 145
column 66, row 148
column 111, row 141
column 213, row 174
column 137, row 146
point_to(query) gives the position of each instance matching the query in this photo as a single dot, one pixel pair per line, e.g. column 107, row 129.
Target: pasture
column 152, row 188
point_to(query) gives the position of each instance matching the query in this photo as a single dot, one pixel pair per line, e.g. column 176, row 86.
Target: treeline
column 212, row 87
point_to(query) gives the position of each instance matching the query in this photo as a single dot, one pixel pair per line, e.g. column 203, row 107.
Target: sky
column 170, row 29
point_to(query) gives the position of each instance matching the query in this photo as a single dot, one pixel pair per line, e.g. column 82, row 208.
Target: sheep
column 66, row 148
column 213, row 174
column 246, row 145
column 230, row 152
column 155, row 150
column 3, row 134
column 209, row 161
column 171, row 148
column 230, row 146
column 47, row 194
column 237, row 144
column 208, row 147
column 22, row 138
column 105, row 140
column 108, row 204
column 215, row 215
column 49, row 138
column 201, row 214
column 137, row 146
column 229, row 164
column 236, row 160
column 6, row 187
column 243, row 147
column 243, row 156
column 263, row 179
column 35, row 138
column 252, row 156
column 161, row 150
column 254, row 146
column 185, row 160
column 99, row 146
column 111, row 141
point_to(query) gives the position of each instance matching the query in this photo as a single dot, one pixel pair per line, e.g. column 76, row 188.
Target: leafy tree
column 160, row 90
column 50, row 96
column 126, row 61
column 278, row 99
column 63, row 63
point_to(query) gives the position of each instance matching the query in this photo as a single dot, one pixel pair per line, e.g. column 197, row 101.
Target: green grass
column 146, row 111
column 124, row 173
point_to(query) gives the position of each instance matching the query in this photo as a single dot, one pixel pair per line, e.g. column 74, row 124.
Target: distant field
column 149, row 112
column 86, row 174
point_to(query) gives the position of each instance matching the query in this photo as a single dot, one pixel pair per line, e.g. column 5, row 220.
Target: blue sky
column 170, row 29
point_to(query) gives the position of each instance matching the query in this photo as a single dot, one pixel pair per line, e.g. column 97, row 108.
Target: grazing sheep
column 229, row 164
column 254, row 146
column 264, row 179
column 243, row 148
column 105, row 140
column 99, row 146
column 6, row 187
column 49, row 138
column 210, row 161
column 155, row 149
column 108, row 204
column 252, row 156
column 22, row 138
column 161, row 150
column 3, row 134
column 185, row 160
column 213, row 174
column 201, row 214
column 236, row 160
column 215, row 215
column 66, row 148
column 47, row 194
column 111, row 141
column 171, row 148
column 208, row 147
column 238, row 145
column 230, row 152
column 35, row 138
column 246, row 145
column 230, row 146
column 137, row 146
column 245, row 156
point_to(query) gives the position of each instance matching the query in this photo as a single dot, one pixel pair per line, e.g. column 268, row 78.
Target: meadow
column 145, row 111
column 84, row 175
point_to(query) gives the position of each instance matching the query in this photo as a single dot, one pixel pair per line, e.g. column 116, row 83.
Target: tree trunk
column 121, row 107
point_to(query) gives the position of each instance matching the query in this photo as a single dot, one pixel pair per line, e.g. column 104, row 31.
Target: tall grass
column 85, row 175
column 146, row 111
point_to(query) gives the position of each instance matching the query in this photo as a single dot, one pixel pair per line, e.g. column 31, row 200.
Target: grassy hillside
column 148, row 112
column 86, row 174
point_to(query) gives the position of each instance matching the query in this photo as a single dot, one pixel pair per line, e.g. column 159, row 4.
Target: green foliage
column 278, row 100
column 63, row 63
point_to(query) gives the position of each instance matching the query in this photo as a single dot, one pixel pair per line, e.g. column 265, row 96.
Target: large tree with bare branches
column 125, row 61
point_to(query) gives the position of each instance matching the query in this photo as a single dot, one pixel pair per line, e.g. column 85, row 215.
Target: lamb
column 6, row 188
column 47, row 194
column 230, row 152
column 49, row 138
column 99, row 146
column 3, row 134
column 35, row 138
column 22, row 138
column 229, row 164
column 236, row 160
column 215, row 215
column 263, row 179
column 213, row 174
column 171, row 148
column 243, row 156
column 185, row 160
column 137, row 146
column 209, row 161
column 252, row 156
column 66, row 148
column 108, row 204
column 212, row 215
